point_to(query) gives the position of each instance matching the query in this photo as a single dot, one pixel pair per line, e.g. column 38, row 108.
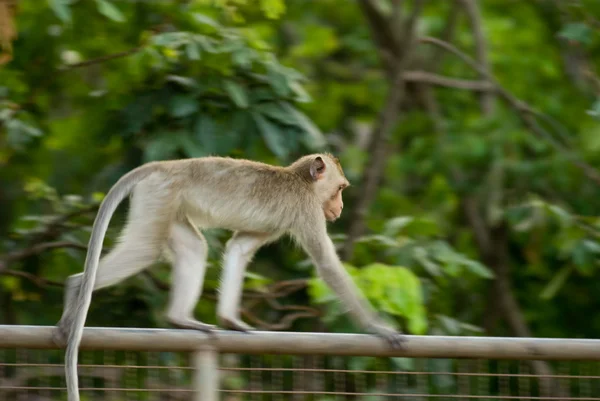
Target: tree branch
column 524, row 111
column 285, row 323
column 448, row 82
column 377, row 150
column 472, row 9
column 396, row 10
column 383, row 33
column 418, row 76
column 379, row 138
column 410, row 33
column 492, row 243
column 493, row 249
column 38, row 281
column 8, row 30
column 279, row 289
column 52, row 230
column 509, row 305
column 448, row 33
column 101, row 59
column 21, row 254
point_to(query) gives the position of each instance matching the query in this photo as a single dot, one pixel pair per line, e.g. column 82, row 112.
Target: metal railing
column 157, row 364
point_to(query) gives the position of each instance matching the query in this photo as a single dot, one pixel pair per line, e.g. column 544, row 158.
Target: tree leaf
column 404, row 363
column 135, row 115
column 577, row 31
column 591, row 246
column 275, row 112
column 190, row 147
column 451, row 325
column 186, row 82
column 255, row 281
column 398, row 291
column 583, row 257
column 204, row 129
column 19, row 133
column 422, row 227
column 319, row 291
column 314, row 138
column 243, row 57
column 239, row 125
column 556, row 283
column 237, row 93
column 420, row 255
column 206, row 20
column 278, row 81
column 594, row 111
column 272, row 135
column 61, row 9
column 161, row 147
column 393, row 226
column 192, row 50
column 183, row 105
column 478, row 268
column 273, row 9
column 302, row 96
column 109, row 10
column 382, row 239
column 261, row 94
column 564, row 217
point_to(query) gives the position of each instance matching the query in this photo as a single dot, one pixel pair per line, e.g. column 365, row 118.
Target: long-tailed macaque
column 259, row 202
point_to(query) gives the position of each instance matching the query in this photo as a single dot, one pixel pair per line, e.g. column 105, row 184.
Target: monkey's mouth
column 331, row 216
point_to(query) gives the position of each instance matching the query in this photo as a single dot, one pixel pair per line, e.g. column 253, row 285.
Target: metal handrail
column 294, row 343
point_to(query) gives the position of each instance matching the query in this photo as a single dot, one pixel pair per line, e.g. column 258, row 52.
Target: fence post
column 205, row 379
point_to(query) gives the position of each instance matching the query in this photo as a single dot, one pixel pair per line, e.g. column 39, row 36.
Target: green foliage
column 19, row 125
column 109, row 10
column 575, row 239
column 161, row 80
column 412, row 241
column 392, row 289
column 207, row 80
column 577, row 31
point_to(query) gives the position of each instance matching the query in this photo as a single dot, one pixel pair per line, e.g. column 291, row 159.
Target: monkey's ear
column 317, row 168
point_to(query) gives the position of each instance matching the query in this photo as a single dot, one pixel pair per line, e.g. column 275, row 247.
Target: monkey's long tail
column 107, row 208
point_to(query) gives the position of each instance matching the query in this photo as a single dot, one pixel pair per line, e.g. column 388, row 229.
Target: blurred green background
column 475, row 198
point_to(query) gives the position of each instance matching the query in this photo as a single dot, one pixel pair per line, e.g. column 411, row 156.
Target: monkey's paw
column 60, row 336
column 192, row 324
column 394, row 338
column 235, row 324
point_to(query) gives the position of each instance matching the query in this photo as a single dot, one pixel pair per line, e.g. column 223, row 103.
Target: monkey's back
column 242, row 195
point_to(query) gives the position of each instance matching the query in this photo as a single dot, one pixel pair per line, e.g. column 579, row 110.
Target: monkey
column 172, row 201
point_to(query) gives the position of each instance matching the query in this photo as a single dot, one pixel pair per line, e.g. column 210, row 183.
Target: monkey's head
column 329, row 181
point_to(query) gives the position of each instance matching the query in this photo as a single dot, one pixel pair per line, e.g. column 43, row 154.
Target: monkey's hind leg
column 142, row 239
column 59, row 335
column 126, row 259
column 190, row 252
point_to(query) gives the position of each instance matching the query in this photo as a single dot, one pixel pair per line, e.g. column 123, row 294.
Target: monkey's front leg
column 322, row 250
column 239, row 251
column 340, row 282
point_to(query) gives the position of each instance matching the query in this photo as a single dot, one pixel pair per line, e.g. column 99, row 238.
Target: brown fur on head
column 325, row 172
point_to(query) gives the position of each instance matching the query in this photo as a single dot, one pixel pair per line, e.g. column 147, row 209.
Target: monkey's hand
column 393, row 337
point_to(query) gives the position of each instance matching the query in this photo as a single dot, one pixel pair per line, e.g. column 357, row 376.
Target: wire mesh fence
column 37, row 373
column 28, row 375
